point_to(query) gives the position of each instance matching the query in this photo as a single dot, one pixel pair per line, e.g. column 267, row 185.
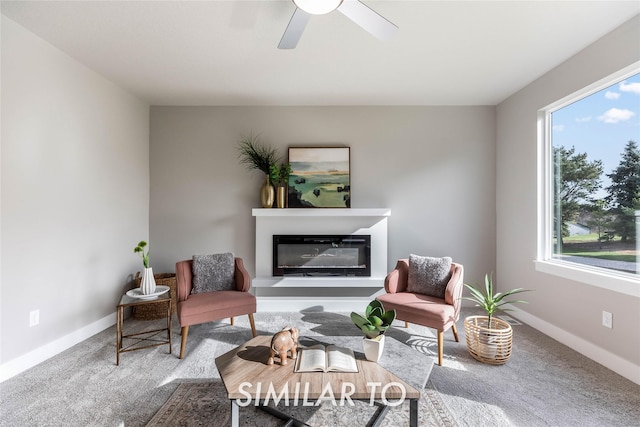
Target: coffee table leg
column 378, row 417
column 235, row 414
column 290, row 421
column 413, row 412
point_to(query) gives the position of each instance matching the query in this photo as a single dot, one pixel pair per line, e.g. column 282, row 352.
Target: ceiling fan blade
column 368, row 19
column 294, row 30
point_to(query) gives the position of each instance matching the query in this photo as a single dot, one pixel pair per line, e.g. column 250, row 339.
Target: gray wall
column 565, row 308
column 75, row 193
column 434, row 167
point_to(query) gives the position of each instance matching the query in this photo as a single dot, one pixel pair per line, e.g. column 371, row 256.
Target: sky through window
column 601, row 124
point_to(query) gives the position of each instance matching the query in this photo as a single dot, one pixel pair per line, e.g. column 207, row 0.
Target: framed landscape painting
column 319, row 177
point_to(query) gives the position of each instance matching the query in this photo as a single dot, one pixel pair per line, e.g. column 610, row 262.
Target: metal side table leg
column 169, row 323
column 118, row 334
column 235, row 414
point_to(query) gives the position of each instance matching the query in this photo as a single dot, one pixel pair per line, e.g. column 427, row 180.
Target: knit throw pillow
column 429, row 276
column 213, row 273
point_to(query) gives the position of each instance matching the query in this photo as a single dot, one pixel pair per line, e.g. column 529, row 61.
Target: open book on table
column 330, row 358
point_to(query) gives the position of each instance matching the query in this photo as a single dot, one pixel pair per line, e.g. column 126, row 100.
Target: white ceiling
column 225, row 52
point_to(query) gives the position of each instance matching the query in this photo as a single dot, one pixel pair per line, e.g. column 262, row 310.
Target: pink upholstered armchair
column 432, row 312
column 209, row 306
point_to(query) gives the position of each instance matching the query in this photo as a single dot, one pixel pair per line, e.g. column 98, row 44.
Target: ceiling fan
column 355, row 10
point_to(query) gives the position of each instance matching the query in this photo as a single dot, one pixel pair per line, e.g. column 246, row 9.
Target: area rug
column 205, row 404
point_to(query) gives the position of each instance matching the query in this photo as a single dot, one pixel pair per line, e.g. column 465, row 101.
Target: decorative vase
column 267, row 194
column 373, row 348
column 148, row 282
column 281, row 196
column 488, row 343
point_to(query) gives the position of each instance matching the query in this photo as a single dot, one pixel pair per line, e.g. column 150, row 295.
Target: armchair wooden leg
column 183, row 343
column 455, row 332
column 440, row 346
column 406, row 324
column 232, row 322
column 253, row 325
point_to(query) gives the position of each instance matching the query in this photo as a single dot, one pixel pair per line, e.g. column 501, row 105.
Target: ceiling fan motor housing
column 318, row 7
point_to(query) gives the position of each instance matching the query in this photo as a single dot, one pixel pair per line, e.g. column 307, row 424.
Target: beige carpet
column 205, row 404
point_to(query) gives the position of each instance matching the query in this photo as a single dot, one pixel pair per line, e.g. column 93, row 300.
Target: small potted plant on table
column 374, row 324
column 148, row 283
column 489, row 339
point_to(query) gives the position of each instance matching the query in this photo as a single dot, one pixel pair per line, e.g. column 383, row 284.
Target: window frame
column 618, row 281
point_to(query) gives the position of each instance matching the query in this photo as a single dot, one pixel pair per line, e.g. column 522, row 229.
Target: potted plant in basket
column 148, row 282
column 279, row 175
column 489, row 339
column 374, row 324
column 259, row 157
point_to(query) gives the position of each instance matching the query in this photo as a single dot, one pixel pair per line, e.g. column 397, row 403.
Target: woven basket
column 488, row 345
column 157, row 311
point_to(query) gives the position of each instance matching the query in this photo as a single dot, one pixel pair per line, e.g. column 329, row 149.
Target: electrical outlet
column 34, row 318
column 607, row 319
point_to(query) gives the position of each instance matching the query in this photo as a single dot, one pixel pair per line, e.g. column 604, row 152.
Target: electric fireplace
column 322, row 255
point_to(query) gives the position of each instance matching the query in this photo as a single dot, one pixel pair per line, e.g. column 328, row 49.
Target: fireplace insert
column 322, row 255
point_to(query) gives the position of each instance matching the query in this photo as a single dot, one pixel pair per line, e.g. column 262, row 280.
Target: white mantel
column 309, row 212
column 332, row 293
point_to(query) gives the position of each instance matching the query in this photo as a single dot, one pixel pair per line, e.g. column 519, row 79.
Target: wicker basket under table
column 157, row 311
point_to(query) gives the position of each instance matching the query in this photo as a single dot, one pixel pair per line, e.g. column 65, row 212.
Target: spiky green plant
column 489, row 301
column 375, row 321
column 256, row 156
column 140, row 250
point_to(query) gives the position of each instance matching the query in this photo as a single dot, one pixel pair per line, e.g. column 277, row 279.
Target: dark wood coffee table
column 247, row 377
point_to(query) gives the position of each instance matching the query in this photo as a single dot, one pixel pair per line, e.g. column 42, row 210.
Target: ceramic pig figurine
column 282, row 343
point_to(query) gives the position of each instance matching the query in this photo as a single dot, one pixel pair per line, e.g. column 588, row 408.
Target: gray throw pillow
column 429, row 276
column 213, row 273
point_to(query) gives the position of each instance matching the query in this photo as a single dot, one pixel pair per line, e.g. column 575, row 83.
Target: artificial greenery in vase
column 489, row 301
column 140, row 250
column 148, row 282
column 279, row 174
column 375, row 321
column 256, row 156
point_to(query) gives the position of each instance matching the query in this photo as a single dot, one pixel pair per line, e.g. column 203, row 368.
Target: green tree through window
column 596, row 177
column 624, row 192
column 578, row 181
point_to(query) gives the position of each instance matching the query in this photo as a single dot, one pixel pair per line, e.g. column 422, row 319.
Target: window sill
column 624, row 283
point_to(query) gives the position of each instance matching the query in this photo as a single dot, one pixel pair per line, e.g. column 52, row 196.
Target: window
column 590, row 198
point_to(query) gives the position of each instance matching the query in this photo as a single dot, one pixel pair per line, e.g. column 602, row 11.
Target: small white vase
column 148, row 283
column 373, row 348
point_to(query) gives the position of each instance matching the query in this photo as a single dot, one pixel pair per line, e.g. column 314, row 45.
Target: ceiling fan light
column 317, row 7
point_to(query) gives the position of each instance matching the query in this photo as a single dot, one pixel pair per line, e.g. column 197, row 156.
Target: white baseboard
column 609, row 360
column 39, row 355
